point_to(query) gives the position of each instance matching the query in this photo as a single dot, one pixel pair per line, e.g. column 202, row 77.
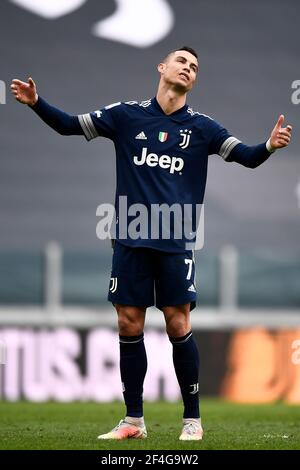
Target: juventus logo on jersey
column 114, row 285
column 195, row 389
column 186, row 136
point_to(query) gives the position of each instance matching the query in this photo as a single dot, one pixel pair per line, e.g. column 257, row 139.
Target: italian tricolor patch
column 162, row 136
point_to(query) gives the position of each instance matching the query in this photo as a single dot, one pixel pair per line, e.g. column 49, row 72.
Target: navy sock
column 133, row 366
column 186, row 363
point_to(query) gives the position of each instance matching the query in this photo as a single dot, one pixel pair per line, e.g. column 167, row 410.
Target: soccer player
column 162, row 148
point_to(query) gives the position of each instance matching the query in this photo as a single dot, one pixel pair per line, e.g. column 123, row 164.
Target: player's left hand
column 280, row 136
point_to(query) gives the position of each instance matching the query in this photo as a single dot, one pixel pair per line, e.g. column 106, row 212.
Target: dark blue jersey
column 161, row 165
column 160, row 159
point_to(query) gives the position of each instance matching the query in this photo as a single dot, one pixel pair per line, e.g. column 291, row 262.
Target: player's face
column 180, row 69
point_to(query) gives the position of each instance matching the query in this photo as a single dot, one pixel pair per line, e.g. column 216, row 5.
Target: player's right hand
column 24, row 92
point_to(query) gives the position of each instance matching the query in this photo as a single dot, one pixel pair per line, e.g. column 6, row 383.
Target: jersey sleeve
column 101, row 123
column 61, row 122
column 231, row 149
column 221, row 142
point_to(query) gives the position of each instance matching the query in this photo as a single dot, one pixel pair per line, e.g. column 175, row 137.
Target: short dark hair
column 183, row 48
column 188, row 49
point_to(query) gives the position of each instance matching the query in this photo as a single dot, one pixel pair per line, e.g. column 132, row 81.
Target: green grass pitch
column 76, row 426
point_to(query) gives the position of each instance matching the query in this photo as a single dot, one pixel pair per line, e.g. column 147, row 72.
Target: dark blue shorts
column 144, row 277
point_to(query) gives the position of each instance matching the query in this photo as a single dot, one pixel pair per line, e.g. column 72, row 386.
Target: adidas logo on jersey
column 173, row 164
column 192, row 288
column 141, row 136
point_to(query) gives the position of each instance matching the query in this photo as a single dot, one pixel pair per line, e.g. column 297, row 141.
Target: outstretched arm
column 253, row 156
column 24, row 92
column 61, row 122
column 280, row 136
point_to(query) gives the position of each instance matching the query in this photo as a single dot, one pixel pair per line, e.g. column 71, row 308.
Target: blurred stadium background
column 57, row 332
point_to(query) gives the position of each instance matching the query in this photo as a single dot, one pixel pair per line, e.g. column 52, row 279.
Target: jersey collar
column 180, row 113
